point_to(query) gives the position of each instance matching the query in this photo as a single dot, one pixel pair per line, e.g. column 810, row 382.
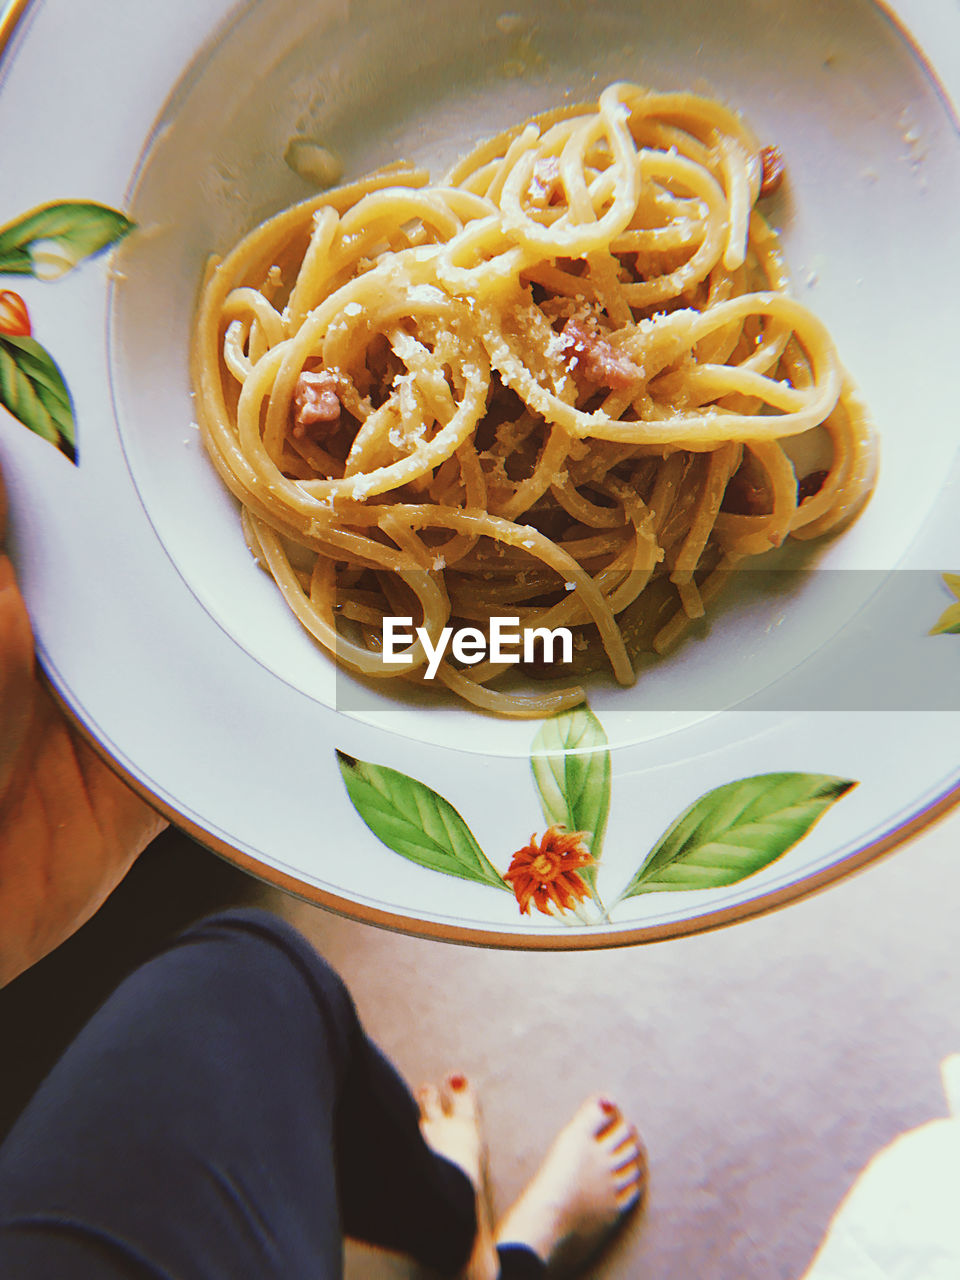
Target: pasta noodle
column 561, row 385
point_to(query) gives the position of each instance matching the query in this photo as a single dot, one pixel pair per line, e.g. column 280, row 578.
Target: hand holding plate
column 69, row 828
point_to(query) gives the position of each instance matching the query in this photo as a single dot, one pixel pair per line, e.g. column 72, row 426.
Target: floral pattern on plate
column 724, row 836
column 46, row 243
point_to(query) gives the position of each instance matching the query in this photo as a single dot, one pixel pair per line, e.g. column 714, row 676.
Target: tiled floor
column 764, row 1063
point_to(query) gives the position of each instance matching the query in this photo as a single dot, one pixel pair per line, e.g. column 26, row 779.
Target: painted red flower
column 14, row 317
column 547, row 873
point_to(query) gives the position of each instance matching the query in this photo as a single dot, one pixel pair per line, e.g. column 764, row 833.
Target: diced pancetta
column 315, row 400
column 593, row 359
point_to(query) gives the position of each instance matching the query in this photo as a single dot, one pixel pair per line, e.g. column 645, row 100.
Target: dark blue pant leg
column 191, row 1131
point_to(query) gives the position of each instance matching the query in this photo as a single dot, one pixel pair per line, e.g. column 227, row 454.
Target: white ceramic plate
column 176, row 653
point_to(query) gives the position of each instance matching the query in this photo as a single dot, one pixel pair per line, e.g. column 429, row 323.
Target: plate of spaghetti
column 534, row 406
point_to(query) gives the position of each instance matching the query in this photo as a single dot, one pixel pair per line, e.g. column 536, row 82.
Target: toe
column 430, row 1102
column 627, row 1177
column 629, row 1196
column 630, row 1181
column 598, row 1114
column 619, row 1135
column 460, row 1097
column 628, row 1148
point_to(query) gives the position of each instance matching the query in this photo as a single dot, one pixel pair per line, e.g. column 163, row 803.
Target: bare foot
column 592, row 1177
column 450, row 1124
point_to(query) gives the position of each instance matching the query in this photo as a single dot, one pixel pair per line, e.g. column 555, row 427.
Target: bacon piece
column 593, row 360
column 315, row 400
column 772, row 170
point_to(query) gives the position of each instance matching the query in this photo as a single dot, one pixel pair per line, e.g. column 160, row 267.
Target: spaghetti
column 562, row 384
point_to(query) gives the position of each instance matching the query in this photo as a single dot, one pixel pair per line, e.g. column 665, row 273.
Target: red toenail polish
column 458, row 1083
column 607, row 1107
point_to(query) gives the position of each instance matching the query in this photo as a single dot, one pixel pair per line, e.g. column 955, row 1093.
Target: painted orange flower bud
column 14, row 317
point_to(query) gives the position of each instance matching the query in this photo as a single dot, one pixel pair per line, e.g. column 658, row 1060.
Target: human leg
column 592, row 1177
column 190, row 1132
column 190, row 1129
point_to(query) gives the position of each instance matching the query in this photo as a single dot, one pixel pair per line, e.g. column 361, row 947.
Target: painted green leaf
column 415, row 822
column 571, row 768
column 52, row 239
column 736, row 830
column 32, row 388
column 949, row 623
